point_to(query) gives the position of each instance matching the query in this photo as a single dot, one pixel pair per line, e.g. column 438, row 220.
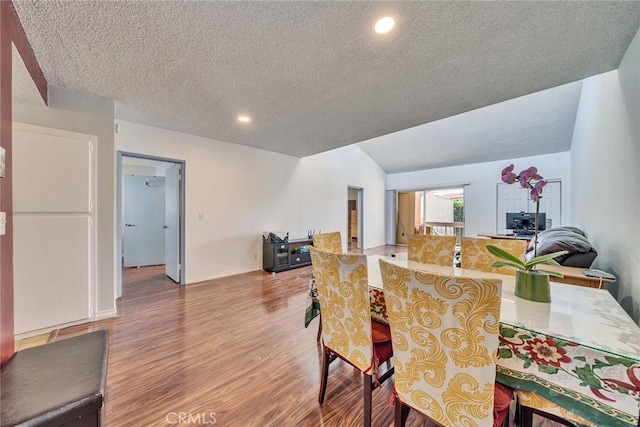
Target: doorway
column 438, row 211
column 354, row 219
column 150, row 220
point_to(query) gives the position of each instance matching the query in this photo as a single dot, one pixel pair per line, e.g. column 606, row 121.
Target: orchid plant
column 526, row 178
column 509, row 260
column 529, row 179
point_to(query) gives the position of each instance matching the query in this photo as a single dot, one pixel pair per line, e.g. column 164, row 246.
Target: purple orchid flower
column 508, row 177
column 527, row 175
column 536, row 191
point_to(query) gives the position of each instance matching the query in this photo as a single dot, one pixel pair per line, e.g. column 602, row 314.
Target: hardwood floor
column 229, row 352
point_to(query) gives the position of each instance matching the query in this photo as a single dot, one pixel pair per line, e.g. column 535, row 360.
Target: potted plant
column 531, row 284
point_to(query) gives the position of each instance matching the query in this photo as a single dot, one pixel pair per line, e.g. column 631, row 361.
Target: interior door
column 144, row 207
column 513, row 198
column 172, row 223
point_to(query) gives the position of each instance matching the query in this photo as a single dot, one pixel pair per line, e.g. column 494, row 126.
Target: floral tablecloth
column 598, row 386
column 313, row 304
column 594, row 384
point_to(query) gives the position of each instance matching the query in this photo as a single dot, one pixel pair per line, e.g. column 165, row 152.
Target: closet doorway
column 354, row 219
column 151, row 215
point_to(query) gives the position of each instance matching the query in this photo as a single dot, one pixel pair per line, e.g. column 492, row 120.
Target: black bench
column 60, row 383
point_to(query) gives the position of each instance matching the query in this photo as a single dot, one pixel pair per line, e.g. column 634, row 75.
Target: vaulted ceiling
column 314, row 76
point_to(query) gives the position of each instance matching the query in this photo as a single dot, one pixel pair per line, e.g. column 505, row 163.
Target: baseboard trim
column 105, row 314
column 50, row 329
column 227, row 273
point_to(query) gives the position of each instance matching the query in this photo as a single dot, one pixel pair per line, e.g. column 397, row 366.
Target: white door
column 550, row 203
column 513, row 198
column 172, row 223
column 54, row 256
column 144, row 220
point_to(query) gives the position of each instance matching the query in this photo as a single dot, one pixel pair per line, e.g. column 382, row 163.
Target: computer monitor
column 525, row 222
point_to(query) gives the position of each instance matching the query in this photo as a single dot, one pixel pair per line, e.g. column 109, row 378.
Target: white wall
column 244, row 191
column 327, row 177
column 605, row 158
column 480, row 207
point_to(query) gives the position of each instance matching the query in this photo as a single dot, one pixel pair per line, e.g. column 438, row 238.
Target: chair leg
column 324, row 374
column 319, row 328
column 528, row 419
column 505, row 423
column 368, row 391
column 401, row 413
column 526, row 416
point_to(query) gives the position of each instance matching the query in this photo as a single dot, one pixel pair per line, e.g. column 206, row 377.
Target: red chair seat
column 381, row 336
column 502, row 397
column 380, row 332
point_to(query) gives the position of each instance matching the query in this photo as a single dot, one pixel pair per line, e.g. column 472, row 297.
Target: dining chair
column 474, row 254
column 431, row 249
column 530, row 403
column 445, row 342
column 327, row 242
column 349, row 333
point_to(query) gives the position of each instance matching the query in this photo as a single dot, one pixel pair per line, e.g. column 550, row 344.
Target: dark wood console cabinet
column 285, row 255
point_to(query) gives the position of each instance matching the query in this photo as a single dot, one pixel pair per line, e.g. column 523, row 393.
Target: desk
column 581, row 351
column 572, row 275
column 505, row 236
column 575, row 276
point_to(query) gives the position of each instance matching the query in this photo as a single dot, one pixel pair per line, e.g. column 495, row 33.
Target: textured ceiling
column 538, row 123
column 23, row 87
column 313, row 75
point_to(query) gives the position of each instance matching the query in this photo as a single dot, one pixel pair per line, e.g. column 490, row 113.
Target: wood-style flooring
column 228, row 352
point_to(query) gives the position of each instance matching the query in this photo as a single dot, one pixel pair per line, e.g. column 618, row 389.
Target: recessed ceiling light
column 384, row 25
column 243, row 118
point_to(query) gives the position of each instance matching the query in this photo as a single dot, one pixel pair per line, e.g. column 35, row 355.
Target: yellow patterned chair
column 531, row 403
column 328, row 242
column 348, row 331
column 429, row 249
column 445, row 342
column 474, row 253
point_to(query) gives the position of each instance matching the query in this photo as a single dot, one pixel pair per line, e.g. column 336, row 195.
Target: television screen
column 525, row 222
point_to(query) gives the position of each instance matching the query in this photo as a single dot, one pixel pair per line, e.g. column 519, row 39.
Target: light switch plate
column 3, row 222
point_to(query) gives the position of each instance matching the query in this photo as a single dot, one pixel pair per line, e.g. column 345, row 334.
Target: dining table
column 580, row 351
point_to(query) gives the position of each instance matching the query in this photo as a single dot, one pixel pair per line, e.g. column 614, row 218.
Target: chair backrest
column 445, row 342
column 474, row 253
column 431, row 249
column 343, row 291
column 328, row 242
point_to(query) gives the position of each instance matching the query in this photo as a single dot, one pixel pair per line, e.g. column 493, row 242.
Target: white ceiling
column 314, row 76
column 539, row 123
